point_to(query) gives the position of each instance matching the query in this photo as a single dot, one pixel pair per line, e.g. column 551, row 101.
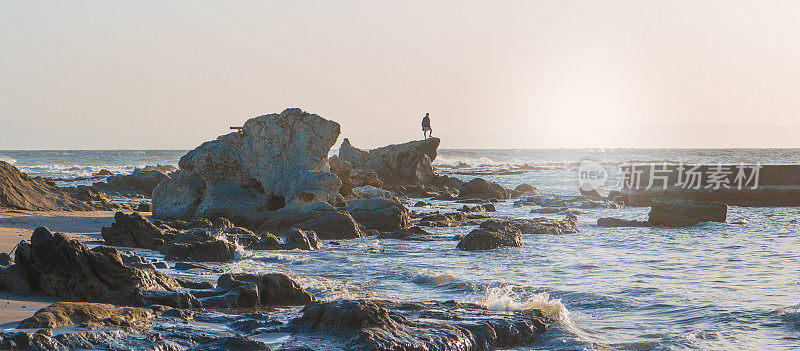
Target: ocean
column 712, row 286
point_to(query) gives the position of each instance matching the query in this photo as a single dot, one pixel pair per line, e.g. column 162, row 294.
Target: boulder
column 20, row 191
column 617, row 222
column 383, row 325
column 482, row 189
column 491, row 237
column 252, row 290
column 65, row 268
column 326, row 221
column 568, row 225
column 342, row 170
column 369, row 192
column 437, row 220
column 67, row 314
column 379, row 213
column 268, row 242
column 302, row 240
column 408, row 163
column 199, row 245
column 139, row 182
column 527, row 189
column 410, row 233
column 276, row 161
column 133, row 230
column 685, row 213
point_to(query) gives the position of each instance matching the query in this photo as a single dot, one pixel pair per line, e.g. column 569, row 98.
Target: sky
column 492, row 74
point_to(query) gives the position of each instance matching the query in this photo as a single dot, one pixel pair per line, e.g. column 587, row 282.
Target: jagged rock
column 537, row 225
column 276, row 161
column 139, row 182
column 408, row 163
column 410, row 233
column 322, row 218
column 65, row 268
column 159, row 167
column 12, row 279
column 104, row 173
column 363, row 177
column 133, row 230
column 379, row 213
column 20, row 191
column 65, row 314
column 268, row 242
column 616, row 222
column 342, row 170
column 437, row 220
column 237, row 343
column 144, row 207
column 491, row 237
column 527, row 189
column 489, row 207
column 382, row 325
column 685, row 213
column 199, row 245
column 483, row 189
column 302, row 240
column 88, row 194
column 251, row 290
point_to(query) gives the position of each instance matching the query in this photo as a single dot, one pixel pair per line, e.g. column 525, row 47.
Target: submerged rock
column 438, row 220
column 617, row 222
column 407, row 163
column 378, row 213
column 133, row 230
column 527, row 189
column 20, row 191
column 381, row 325
column 275, row 161
column 492, row 237
column 410, row 233
column 685, row 213
column 199, row 245
column 568, row 225
column 65, row 268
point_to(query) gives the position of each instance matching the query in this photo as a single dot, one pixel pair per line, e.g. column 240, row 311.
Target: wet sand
column 16, row 226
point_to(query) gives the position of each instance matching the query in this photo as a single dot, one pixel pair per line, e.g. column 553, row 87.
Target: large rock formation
column 65, row 268
column 276, row 161
column 399, row 164
column 379, row 213
column 20, row 191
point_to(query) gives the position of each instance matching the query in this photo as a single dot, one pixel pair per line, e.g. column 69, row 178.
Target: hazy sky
column 500, row 74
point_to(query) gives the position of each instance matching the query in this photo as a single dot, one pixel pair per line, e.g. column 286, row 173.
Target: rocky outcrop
column 67, row 314
column 199, row 245
column 410, row 233
column 133, row 230
column 482, row 189
column 20, row 191
column 527, row 189
column 438, row 220
column 685, row 213
column 328, row 222
column 65, row 268
column 140, row 182
column 381, row 325
column 252, row 290
column 400, row 164
column 568, row 225
column 492, row 237
column 379, row 213
column 302, row 240
column 276, row 161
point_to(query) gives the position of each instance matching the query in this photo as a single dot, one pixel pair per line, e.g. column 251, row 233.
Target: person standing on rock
column 426, row 127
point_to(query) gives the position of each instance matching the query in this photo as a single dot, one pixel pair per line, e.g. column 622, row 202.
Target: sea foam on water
column 503, row 298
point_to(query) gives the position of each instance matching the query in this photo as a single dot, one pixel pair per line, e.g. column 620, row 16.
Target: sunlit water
column 712, row 286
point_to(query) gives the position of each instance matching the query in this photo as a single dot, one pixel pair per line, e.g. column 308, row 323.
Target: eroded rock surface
column 133, row 230
column 22, row 192
column 399, row 164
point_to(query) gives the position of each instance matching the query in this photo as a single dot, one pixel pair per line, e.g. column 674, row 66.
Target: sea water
column 711, row 286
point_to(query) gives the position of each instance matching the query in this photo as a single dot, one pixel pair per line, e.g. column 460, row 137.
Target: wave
column 8, row 159
column 504, row 298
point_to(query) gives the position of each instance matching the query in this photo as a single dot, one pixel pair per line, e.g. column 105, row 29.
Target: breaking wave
column 504, row 298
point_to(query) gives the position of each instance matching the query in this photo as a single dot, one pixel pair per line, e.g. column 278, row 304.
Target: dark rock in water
column 251, row 290
column 527, row 189
column 415, row 191
column 613, row 195
column 20, row 191
column 492, row 237
column 104, row 173
column 400, row 164
column 438, row 220
column 199, row 245
column 302, row 240
column 144, row 207
column 591, row 194
column 65, row 268
column 489, row 207
column 235, row 343
column 616, row 222
column 65, row 314
column 567, row 225
column 379, row 214
column 685, row 213
column 409, row 233
column 139, row 182
column 268, row 242
column 133, row 230
column 325, row 220
column 275, row 162
column 483, row 189
column 423, row 204
column 381, row 325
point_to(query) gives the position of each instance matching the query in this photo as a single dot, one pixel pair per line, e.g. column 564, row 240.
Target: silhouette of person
column 426, row 127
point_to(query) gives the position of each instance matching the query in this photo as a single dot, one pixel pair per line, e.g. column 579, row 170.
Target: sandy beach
column 18, row 225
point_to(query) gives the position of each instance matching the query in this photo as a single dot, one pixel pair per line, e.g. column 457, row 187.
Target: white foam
column 503, row 298
column 8, row 159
